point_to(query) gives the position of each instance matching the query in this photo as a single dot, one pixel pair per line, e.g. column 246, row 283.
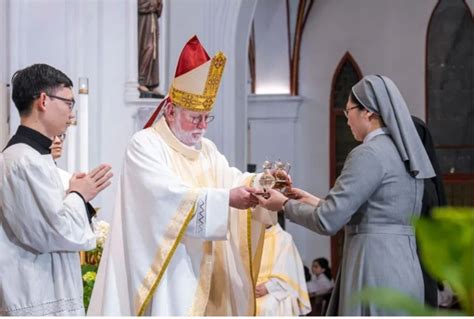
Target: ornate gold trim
column 257, row 262
column 201, row 298
column 253, row 268
column 190, row 101
column 266, row 266
column 269, row 261
column 205, row 101
column 253, row 311
column 215, row 74
column 166, row 250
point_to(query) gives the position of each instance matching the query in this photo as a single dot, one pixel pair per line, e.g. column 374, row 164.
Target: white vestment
column 41, row 233
column 176, row 247
column 320, row 285
column 65, row 176
column 282, row 273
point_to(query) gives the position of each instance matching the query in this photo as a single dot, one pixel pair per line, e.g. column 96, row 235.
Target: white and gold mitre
column 197, row 77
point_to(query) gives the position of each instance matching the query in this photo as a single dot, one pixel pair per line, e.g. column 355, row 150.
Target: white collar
column 374, row 133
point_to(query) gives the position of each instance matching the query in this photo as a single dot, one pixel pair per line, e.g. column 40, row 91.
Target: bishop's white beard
column 190, row 138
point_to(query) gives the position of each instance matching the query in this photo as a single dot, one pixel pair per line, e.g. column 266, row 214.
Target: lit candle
column 83, row 122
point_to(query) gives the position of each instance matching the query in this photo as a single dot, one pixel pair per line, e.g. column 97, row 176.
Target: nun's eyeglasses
column 346, row 111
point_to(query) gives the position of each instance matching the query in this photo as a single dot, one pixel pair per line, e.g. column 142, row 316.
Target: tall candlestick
column 83, row 122
column 71, row 141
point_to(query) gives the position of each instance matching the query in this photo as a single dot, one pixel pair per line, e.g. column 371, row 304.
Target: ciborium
column 276, row 176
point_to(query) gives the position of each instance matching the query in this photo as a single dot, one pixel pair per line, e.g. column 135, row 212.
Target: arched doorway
column 341, row 140
column 449, row 96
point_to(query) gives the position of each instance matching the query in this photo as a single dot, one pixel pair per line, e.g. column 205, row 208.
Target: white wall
column 271, row 48
column 4, row 95
column 3, row 40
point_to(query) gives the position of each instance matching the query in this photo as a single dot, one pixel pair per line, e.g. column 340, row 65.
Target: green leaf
column 447, row 250
column 85, row 268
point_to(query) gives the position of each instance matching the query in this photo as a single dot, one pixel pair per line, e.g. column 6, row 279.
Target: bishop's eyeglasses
column 202, row 118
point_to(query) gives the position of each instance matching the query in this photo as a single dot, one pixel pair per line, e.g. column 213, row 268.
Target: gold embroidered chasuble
column 176, row 247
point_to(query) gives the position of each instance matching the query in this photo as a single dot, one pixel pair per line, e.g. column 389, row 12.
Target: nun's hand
column 303, row 196
column 274, row 202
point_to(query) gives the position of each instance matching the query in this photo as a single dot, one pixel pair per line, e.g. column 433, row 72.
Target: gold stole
column 185, row 164
column 193, row 173
column 210, row 301
column 220, row 295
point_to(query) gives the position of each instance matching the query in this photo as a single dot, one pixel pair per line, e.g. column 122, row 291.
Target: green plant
column 88, row 279
column 92, row 259
column 447, row 250
column 446, row 243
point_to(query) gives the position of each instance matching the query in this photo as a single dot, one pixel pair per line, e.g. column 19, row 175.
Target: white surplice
column 282, row 273
column 42, row 231
column 176, row 247
column 65, row 176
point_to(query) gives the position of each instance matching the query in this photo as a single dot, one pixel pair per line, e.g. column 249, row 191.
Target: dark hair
column 324, row 264
column 307, row 274
column 30, row 82
column 356, row 101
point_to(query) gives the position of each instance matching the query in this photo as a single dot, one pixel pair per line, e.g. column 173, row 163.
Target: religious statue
column 149, row 11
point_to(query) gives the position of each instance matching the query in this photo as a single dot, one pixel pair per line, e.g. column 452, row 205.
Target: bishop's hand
column 242, row 197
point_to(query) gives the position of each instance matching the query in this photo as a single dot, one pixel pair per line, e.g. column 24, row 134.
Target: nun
column 433, row 196
column 375, row 199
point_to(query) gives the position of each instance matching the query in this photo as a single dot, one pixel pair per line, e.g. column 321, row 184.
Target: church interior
column 290, row 67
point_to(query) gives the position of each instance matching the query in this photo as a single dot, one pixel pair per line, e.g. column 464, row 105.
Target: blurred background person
column 322, row 281
column 281, row 286
column 433, row 196
column 56, row 152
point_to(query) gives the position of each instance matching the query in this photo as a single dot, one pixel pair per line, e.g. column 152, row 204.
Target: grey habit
column 377, row 194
